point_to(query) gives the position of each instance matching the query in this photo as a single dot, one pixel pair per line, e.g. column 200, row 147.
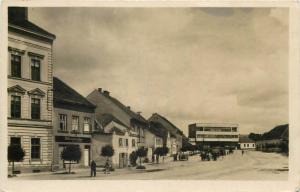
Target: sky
column 205, row 65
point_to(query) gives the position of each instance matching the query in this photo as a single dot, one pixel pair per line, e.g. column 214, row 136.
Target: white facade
column 123, row 144
column 37, row 132
column 247, row 145
column 211, row 132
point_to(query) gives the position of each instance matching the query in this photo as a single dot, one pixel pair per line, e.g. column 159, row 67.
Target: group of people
column 93, row 165
column 214, row 154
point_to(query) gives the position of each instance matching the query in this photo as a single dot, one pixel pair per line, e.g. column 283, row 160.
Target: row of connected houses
column 45, row 114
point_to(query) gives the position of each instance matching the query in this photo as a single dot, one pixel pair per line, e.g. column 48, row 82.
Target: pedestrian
column 153, row 158
column 93, row 168
column 242, row 152
column 107, row 167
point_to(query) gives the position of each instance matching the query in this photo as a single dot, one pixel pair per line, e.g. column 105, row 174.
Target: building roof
column 106, row 118
column 245, row 139
column 18, row 22
column 64, row 94
column 175, row 130
column 126, row 109
column 278, row 132
column 157, row 129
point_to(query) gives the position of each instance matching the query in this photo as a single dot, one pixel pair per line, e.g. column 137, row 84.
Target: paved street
column 253, row 165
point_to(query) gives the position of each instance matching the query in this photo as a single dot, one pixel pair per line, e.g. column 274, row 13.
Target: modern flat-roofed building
column 214, row 134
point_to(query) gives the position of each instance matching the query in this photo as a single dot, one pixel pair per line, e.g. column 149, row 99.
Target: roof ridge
column 122, row 106
column 54, row 77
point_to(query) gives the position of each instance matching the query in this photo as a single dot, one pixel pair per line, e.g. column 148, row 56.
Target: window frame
column 73, row 124
column 120, row 142
column 38, row 151
column 12, row 109
column 13, row 62
column 15, row 137
column 35, row 68
column 65, row 122
column 87, row 121
column 35, row 112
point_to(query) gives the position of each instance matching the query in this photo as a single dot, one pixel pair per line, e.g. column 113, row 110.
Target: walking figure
column 107, row 166
column 93, row 168
column 242, row 152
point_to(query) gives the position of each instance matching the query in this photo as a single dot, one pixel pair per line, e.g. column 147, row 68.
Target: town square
column 147, row 94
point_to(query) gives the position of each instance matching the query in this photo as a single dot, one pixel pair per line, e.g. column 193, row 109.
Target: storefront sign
column 72, row 139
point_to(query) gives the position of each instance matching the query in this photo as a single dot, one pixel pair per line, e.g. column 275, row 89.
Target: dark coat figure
column 242, row 152
column 153, row 158
column 93, row 169
column 107, row 167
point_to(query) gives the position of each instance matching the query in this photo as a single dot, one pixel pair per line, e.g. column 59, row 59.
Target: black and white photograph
column 148, row 93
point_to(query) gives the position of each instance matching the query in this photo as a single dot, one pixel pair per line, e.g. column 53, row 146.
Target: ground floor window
column 15, row 141
column 35, row 148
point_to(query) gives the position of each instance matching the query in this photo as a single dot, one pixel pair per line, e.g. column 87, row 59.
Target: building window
column 120, row 142
column 234, row 129
column 35, row 108
column 35, row 69
column 142, row 132
column 15, row 106
column 15, row 65
column 62, row 122
column 86, row 124
column 247, row 145
column 133, row 143
column 253, row 145
column 75, row 123
column 15, row 141
column 126, row 142
column 35, row 148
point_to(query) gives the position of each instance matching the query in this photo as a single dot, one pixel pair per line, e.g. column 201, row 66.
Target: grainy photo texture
column 148, row 93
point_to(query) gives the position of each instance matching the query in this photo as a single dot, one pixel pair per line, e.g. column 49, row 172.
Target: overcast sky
column 188, row 64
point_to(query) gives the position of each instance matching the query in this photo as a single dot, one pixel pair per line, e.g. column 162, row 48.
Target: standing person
column 93, row 168
column 242, row 152
column 107, row 166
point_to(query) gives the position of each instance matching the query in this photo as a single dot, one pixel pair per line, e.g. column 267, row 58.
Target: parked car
column 183, row 157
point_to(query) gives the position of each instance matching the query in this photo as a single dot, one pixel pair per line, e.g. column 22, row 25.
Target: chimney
column 106, row 93
column 17, row 13
column 100, row 90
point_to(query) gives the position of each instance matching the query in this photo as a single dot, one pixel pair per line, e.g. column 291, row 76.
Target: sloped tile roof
column 106, row 118
column 175, row 130
column 126, row 109
column 157, row 129
column 62, row 93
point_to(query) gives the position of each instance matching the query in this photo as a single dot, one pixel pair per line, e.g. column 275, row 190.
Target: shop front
column 84, row 144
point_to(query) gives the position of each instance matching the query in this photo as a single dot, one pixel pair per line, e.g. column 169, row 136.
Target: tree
column 133, row 157
column 161, row 151
column 107, row 151
column 71, row 153
column 255, row 136
column 141, row 152
column 15, row 154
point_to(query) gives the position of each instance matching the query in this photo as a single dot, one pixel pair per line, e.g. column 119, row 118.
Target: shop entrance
column 123, row 159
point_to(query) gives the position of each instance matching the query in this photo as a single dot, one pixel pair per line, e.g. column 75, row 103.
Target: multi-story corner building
column 106, row 104
column 111, row 131
column 73, row 123
column 30, row 90
column 172, row 134
column 214, row 134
